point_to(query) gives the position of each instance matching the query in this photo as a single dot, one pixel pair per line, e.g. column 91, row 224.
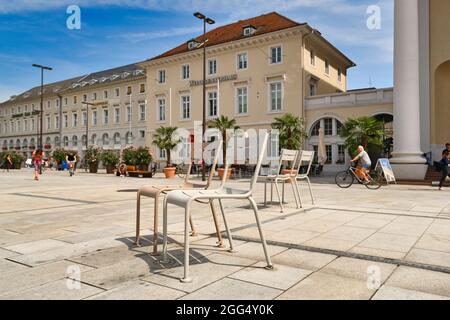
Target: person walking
column 38, row 155
column 445, row 163
column 71, row 159
column 7, row 163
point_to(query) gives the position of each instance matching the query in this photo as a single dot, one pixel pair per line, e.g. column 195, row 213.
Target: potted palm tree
column 110, row 159
column 223, row 124
column 291, row 130
column 164, row 140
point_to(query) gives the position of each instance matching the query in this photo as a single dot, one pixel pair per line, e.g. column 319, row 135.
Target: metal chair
column 289, row 158
column 305, row 159
column 185, row 198
column 156, row 191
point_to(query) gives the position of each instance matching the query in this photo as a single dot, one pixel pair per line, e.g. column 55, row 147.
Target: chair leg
column 186, row 278
column 294, row 191
column 261, row 234
column 138, row 219
column 298, row 193
column 279, row 196
column 230, row 237
column 164, row 256
column 155, row 226
column 265, row 193
column 310, row 191
column 216, row 223
column 194, row 232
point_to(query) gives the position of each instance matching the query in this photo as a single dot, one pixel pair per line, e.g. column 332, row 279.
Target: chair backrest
column 213, row 167
column 289, row 157
column 306, row 157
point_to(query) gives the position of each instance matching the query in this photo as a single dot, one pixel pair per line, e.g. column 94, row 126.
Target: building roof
column 128, row 72
column 266, row 23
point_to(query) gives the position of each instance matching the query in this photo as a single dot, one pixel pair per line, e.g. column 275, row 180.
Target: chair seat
column 153, row 191
column 182, row 197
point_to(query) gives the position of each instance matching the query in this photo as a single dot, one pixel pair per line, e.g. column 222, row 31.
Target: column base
column 409, row 166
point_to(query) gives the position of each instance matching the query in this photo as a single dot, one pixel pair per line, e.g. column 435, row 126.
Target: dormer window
column 192, row 44
column 249, row 30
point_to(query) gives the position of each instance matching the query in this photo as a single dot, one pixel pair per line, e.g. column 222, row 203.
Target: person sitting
column 364, row 164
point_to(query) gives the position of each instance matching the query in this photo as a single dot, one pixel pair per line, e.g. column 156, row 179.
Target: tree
column 291, row 131
column 163, row 139
column 364, row 131
column 223, row 124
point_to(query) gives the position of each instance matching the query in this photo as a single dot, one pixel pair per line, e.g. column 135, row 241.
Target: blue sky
column 120, row 32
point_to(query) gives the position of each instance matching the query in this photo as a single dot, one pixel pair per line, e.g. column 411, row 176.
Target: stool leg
column 216, row 223
column 186, row 278
column 138, row 218
column 155, row 226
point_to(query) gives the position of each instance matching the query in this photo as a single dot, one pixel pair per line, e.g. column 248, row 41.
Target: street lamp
column 40, row 146
column 87, row 130
column 209, row 21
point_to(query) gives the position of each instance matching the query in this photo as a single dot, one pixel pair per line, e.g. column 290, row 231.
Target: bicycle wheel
column 181, row 171
column 375, row 181
column 345, row 179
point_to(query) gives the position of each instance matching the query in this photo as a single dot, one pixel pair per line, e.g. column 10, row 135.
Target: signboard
column 194, row 83
column 386, row 167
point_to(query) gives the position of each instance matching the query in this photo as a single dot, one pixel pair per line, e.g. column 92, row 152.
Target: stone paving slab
column 394, row 293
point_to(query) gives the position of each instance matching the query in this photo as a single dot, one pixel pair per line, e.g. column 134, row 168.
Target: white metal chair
column 288, row 158
column 185, row 198
column 156, row 191
column 305, row 159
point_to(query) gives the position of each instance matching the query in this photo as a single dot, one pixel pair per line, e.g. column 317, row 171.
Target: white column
column 407, row 161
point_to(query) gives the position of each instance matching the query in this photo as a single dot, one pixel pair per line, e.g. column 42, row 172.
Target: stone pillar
column 407, row 161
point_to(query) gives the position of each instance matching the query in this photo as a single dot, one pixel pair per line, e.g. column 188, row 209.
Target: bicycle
column 347, row 178
column 71, row 168
column 122, row 170
column 181, row 170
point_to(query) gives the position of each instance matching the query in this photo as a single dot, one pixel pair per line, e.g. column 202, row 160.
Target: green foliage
column 292, row 131
column 129, row 156
column 164, row 140
column 92, row 154
column 143, row 157
column 224, row 124
column 17, row 158
column 59, row 155
column 364, row 131
column 109, row 157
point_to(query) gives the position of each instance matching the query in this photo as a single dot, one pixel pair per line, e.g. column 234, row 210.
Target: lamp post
column 87, row 131
column 41, row 112
column 209, row 21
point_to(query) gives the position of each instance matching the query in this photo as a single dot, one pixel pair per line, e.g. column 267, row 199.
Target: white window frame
column 158, row 76
column 65, row 121
column 312, row 57
column 129, row 113
column 105, row 94
column 74, row 119
column 158, row 111
column 269, row 97
column 105, row 118
column 237, row 101
column 208, row 106
column 116, row 115
column 94, row 117
column 116, row 92
column 281, row 54
column 185, row 67
column 209, row 66
column 238, row 60
column 182, row 118
column 327, row 67
column 140, row 112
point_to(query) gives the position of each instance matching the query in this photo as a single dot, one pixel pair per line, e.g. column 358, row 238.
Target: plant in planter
column 143, row 158
column 17, row 159
column 164, row 140
column 223, row 124
column 129, row 156
column 292, row 133
column 59, row 155
column 110, row 159
column 92, row 155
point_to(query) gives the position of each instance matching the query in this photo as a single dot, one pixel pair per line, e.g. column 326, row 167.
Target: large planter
column 143, row 167
column 221, row 173
column 93, row 167
column 131, row 168
column 170, row 172
column 110, row 169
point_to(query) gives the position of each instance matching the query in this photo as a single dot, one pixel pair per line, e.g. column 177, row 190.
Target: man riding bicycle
column 71, row 161
column 364, row 164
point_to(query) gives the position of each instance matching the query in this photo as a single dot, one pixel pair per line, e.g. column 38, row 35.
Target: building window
column 129, row 91
column 105, row 140
column 49, row 104
column 185, row 72
column 162, row 76
column 129, row 138
column 74, row 120
column 339, row 74
column 57, row 102
column 129, row 113
column 142, row 134
column 339, row 127
column 84, row 118
column 25, row 126
column 212, row 104
column 312, row 89
column 242, row 100
column 274, row 147
column 94, row 96
column 341, row 154
column 75, row 99
column 19, row 126
column 94, row 117
column 329, row 150
column 142, row 88
column 66, row 141
column 185, row 107
column 327, row 66
column 276, row 96
column 66, row 101
column 117, row 139
column 117, row 115
column 142, row 112
column 57, row 122
column 162, row 154
column 275, row 55
column 94, row 139
column 105, row 94
column 212, row 67
column 328, row 126
column 66, row 121
column 74, row 141
column 315, row 129
column 84, row 97
column 161, row 110
column 242, row 62
column 117, row 92
column 312, row 55
column 49, row 123
column 105, row 116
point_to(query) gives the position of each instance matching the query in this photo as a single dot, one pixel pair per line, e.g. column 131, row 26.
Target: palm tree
column 362, row 131
column 291, row 131
column 163, row 139
column 223, row 124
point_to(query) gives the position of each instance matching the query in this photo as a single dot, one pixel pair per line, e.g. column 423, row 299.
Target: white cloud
column 159, row 34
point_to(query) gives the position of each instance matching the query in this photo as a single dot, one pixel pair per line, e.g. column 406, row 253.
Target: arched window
column 66, row 141
column 18, row 143
column 48, row 140
column 83, row 140
column 331, row 127
column 11, row 144
column 105, row 140
column 57, row 142
column 94, row 139
column 32, row 143
column 117, row 139
column 75, row 141
column 129, row 138
column 25, row 144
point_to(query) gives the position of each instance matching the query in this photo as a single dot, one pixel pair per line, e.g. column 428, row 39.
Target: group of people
column 38, row 158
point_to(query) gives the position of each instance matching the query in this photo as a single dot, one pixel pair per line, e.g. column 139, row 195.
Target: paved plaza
column 393, row 243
